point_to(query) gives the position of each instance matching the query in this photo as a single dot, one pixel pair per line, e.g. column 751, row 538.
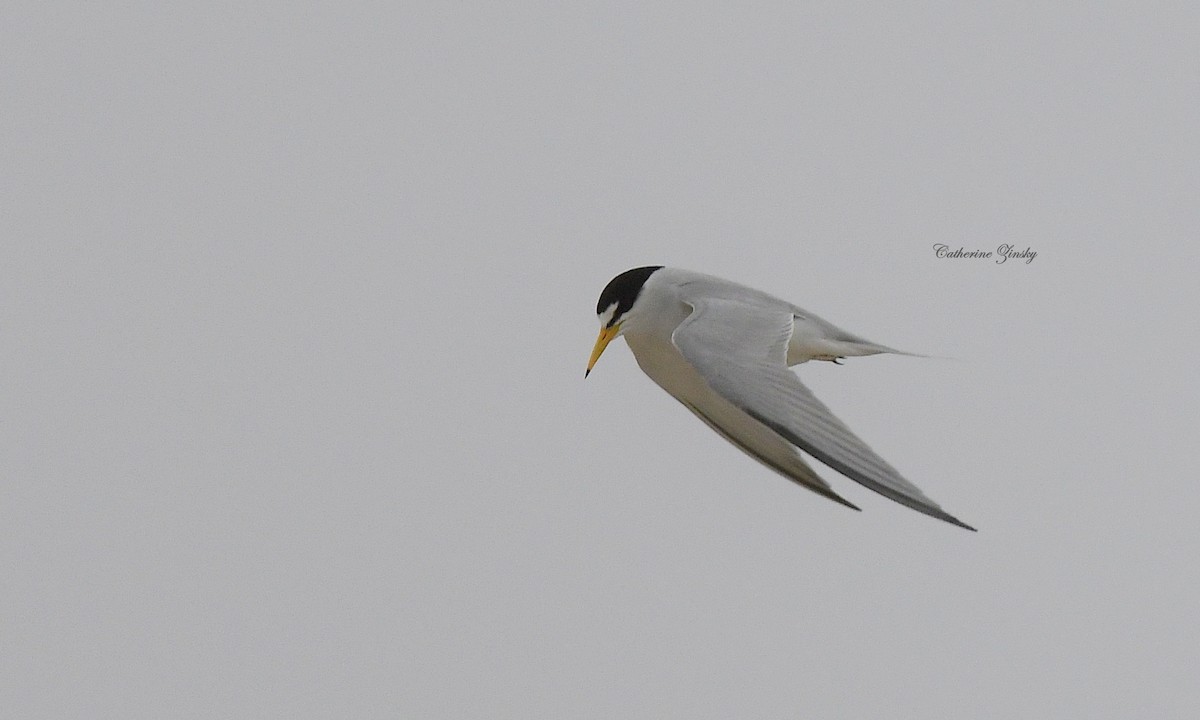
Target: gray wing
column 763, row 444
column 740, row 349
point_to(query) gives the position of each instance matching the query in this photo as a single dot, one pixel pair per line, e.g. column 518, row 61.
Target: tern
column 724, row 350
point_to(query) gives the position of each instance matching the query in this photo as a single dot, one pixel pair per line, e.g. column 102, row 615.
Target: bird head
column 614, row 306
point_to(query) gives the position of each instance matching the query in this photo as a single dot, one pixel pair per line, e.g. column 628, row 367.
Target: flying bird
column 724, row 349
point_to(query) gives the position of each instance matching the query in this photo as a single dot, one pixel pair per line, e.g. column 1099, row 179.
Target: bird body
column 723, row 350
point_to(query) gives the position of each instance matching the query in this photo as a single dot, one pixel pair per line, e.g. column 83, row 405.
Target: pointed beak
column 606, row 336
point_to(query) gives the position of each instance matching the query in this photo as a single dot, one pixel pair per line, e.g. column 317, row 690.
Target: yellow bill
column 606, row 336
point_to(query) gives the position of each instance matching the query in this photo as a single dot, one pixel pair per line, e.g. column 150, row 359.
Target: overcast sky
column 296, row 298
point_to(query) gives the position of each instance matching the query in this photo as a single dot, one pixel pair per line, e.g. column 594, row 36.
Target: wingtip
column 940, row 514
column 955, row 521
column 838, row 499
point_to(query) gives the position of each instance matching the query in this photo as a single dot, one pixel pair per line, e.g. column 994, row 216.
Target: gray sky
column 295, row 301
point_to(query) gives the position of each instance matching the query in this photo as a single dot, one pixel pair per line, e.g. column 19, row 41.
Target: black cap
column 623, row 290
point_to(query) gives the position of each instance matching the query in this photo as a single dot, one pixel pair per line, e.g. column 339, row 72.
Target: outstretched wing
column 764, row 445
column 740, row 349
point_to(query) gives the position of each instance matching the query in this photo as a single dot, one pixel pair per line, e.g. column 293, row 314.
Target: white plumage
column 723, row 350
